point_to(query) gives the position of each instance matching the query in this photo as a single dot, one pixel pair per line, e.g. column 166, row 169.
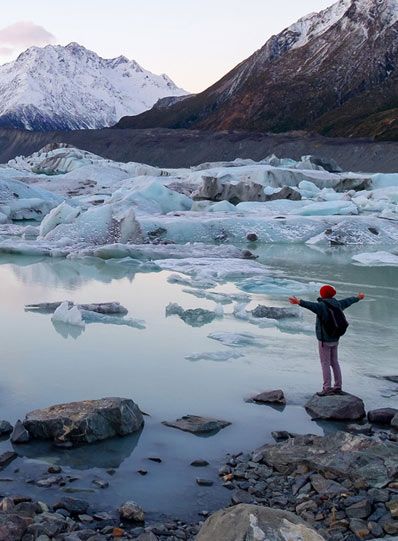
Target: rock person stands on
column 331, row 325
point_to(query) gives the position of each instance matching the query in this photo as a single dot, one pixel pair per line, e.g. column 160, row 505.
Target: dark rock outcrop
column 86, row 421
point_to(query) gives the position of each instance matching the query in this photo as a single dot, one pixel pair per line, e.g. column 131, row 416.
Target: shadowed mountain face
column 334, row 72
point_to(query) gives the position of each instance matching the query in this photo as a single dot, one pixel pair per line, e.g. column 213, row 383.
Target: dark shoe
column 325, row 393
column 337, row 391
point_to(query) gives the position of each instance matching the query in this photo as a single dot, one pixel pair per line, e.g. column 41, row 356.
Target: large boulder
column 251, row 522
column 86, row 421
column 344, row 407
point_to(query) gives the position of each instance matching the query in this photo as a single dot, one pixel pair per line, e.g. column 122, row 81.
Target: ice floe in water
column 217, row 356
column 377, row 259
column 68, row 315
column 238, row 340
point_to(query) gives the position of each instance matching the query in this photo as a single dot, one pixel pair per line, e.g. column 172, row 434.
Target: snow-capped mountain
column 334, row 72
column 66, row 88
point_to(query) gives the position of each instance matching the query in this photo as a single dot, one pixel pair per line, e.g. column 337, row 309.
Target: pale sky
column 194, row 41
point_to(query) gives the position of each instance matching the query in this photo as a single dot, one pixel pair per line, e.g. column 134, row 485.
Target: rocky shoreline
column 338, row 487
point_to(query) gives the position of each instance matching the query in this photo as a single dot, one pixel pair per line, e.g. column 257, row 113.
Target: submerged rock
column 382, row 416
column 345, row 407
column 197, row 425
column 257, row 523
column 270, row 397
column 271, row 312
column 86, row 421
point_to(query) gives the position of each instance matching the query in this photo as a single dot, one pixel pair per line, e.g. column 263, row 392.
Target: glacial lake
column 42, row 364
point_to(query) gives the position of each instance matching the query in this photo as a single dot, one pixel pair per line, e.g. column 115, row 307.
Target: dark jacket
column 320, row 309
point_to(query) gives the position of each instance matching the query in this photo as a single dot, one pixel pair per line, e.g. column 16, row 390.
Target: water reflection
column 106, row 454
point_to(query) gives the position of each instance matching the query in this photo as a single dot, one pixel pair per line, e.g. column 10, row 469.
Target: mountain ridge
column 308, row 77
column 71, row 87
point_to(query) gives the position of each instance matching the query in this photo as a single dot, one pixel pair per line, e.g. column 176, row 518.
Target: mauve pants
column 330, row 362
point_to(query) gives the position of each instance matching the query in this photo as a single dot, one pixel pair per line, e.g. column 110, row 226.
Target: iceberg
column 218, row 356
column 69, row 316
column 377, row 259
column 238, row 339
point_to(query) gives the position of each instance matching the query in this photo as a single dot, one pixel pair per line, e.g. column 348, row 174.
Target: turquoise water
column 42, row 365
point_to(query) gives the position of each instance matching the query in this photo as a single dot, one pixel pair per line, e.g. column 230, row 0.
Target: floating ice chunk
column 384, row 180
column 213, row 269
column 377, row 259
column 3, row 218
column 150, row 197
column 70, row 316
column 308, row 189
column 63, row 214
column 90, row 316
column 99, row 225
column 159, row 251
column 223, row 298
column 195, row 317
column 328, row 208
column 185, row 281
column 271, row 208
column 218, row 356
column 359, row 231
column 238, row 339
column 278, row 287
column 222, row 206
column 328, row 194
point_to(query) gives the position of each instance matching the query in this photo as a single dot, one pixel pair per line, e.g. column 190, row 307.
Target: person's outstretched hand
column 361, row 296
column 294, row 300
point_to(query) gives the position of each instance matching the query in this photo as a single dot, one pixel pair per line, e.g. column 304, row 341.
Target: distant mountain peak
column 71, row 87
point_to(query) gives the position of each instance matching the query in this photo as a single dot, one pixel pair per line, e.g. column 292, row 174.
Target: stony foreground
column 339, row 487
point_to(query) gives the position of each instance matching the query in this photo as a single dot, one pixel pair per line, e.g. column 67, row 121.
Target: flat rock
column 86, row 421
column 345, row 407
column 271, row 312
column 245, row 521
column 197, row 425
column 270, row 397
column 382, row 416
column 204, row 482
column 73, row 505
column 5, row 428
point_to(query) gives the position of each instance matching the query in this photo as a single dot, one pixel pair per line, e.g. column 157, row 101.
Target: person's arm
column 312, row 306
column 346, row 303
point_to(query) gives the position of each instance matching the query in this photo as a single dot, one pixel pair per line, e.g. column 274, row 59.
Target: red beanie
column 327, row 292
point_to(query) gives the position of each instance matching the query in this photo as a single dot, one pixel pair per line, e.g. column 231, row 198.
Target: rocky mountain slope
column 334, row 72
column 70, row 87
